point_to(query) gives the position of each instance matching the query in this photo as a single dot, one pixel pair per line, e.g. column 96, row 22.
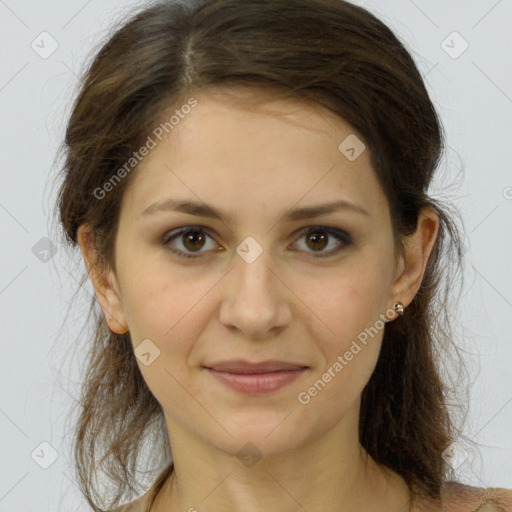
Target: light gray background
column 473, row 94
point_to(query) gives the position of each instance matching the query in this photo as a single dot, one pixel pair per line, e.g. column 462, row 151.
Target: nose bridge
column 254, row 279
column 254, row 302
column 252, row 267
column 255, row 276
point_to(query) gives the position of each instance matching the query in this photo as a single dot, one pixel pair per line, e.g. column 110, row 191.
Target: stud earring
column 399, row 308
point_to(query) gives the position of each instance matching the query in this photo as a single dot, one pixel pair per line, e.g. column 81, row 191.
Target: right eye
column 190, row 238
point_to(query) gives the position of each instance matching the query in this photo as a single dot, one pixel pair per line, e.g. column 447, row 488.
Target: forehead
column 240, row 145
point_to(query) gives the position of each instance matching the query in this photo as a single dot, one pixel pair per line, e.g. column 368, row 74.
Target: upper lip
column 240, row 366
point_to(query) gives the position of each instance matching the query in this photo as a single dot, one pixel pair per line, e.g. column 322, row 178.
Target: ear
column 414, row 257
column 104, row 282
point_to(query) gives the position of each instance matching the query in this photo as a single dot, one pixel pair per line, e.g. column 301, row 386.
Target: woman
column 248, row 185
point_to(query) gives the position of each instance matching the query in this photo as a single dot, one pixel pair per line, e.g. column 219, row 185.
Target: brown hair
column 330, row 52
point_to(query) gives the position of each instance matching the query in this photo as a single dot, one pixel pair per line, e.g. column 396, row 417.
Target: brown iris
column 318, row 238
column 193, row 240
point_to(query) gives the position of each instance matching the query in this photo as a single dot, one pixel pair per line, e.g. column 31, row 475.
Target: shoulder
column 457, row 497
column 471, row 499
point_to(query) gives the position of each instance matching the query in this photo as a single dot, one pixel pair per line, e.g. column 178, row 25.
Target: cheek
column 349, row 335
column 347, row 304
column 329, row 397
column 159, row 303
column 164, row 317
column 350, row 350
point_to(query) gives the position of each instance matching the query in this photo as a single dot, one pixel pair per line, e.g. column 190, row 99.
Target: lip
column 240, row 366
column 256, row 378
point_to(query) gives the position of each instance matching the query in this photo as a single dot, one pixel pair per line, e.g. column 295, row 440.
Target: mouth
column 256, row 378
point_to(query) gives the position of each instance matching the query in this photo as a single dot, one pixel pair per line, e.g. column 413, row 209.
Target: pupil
column 194, row 240
column 319, row 238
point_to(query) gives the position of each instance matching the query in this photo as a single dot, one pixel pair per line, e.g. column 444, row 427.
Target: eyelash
column 338, row 234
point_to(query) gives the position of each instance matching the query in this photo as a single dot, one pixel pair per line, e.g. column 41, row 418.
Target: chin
column 264, row 435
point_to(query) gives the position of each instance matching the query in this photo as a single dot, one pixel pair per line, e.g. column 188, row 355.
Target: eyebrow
column 205, row 210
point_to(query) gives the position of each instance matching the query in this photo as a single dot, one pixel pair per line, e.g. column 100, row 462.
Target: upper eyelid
column 180, row 230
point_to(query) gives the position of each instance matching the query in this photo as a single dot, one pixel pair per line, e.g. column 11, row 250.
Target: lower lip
column 257, row 383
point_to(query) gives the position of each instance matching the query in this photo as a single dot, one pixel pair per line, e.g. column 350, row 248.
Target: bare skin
column 256, row 165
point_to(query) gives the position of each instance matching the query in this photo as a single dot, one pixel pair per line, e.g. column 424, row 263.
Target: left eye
column 318, row 238
column 194, row 239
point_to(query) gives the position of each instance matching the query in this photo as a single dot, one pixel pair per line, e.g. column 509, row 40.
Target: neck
column 330, row 474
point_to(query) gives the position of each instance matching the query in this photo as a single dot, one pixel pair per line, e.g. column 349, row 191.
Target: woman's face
column 265, row 278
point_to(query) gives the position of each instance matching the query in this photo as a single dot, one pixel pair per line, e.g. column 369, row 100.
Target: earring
column 399, row 308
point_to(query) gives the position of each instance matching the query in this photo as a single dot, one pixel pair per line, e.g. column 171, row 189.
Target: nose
column 255, row 301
